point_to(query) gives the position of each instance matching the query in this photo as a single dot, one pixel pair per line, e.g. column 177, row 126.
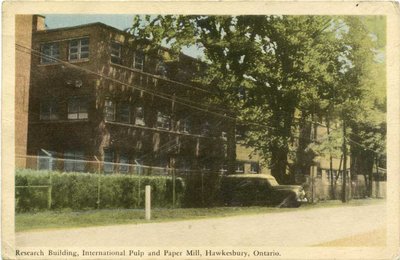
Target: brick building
column 24, row 26
column 95, row 94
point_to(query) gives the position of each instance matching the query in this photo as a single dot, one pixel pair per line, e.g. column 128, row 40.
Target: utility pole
column 344, row 163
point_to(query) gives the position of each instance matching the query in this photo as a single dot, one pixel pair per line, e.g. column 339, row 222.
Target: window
column 319, row 172
column 239, row 167
column 184, row 125
column 74, row 161
column 254, row 167
column 45, row 160
column 108, row 161
column 139, row 116
column 161, row 68
column 50, row 52
column 77, row 108
column 109, row 110
column 79, row 49
column 124, row 161
column 163, row 120
column 48, row 110
column 116, row 52
column 138, row 60
column 124, row 112
column 205, row 128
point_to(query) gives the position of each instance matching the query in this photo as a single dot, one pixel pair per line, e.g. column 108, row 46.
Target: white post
column 148, row 202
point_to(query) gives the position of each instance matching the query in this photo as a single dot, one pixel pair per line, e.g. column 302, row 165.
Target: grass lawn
column 70, row 219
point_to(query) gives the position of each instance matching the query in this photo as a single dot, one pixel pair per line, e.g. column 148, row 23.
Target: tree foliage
column 279, row 72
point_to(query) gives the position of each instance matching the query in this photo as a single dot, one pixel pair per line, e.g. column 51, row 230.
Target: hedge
column 80, row 191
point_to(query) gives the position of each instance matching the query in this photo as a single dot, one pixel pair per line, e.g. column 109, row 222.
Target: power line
column 166, row 96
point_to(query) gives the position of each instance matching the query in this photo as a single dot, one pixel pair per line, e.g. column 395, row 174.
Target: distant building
column 95, row 94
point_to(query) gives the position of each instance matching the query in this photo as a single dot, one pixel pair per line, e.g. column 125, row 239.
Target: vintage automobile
column 259, row 189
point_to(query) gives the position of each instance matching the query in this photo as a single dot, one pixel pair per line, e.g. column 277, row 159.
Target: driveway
column 294, row 228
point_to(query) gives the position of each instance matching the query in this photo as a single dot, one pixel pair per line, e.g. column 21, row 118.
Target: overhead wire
column 166, row 96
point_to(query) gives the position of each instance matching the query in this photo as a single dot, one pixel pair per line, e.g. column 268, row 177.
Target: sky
column 122, row 22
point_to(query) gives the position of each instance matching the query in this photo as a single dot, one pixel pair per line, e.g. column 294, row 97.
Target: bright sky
column 121, row 22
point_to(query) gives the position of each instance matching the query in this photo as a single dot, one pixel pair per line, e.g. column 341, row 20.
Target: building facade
column 97, row 95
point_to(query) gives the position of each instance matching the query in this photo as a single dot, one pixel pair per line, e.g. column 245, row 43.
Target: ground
column 337, row 226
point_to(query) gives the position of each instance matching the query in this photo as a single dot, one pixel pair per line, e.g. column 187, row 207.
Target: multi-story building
column 96, row 94
column 24, row 26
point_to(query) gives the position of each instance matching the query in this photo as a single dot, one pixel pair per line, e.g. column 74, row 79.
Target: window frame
column 109, row 110
column 74, row 158
column 118, row 51
column 135, row 63
column 53, row 110
column 50, row 59
column 139, row 120
column 108, row 165
column 256, row 165
column 185, row 125
column 239, row 168
column 163, row 121
column 122, row 108
column 123, row 159
column 80, row 115
column 79, row 50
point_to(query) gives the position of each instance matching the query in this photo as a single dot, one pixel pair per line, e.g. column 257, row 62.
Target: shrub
column 80, row 190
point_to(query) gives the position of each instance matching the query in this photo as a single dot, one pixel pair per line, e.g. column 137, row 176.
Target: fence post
column 148, row 202
column 98, row 182
column 173, row 187
column 49, row 190
column 202, row 187
column 139, row 172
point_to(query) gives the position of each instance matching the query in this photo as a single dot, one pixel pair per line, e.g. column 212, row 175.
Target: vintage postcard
column 200, row 130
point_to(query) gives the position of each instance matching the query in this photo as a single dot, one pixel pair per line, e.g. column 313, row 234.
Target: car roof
column 253, row 176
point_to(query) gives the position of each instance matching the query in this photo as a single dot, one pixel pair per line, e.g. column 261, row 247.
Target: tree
column 269, row 70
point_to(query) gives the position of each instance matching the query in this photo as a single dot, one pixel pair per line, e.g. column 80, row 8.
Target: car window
column 273, row 182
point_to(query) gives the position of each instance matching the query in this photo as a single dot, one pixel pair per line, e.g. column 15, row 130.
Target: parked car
column 259, row 189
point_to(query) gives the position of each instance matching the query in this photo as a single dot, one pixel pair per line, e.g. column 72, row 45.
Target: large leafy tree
column 278, row 72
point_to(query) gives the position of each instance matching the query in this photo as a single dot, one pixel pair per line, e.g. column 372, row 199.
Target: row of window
column 77, row 109
column 78, row 49
column 74, row 161
column 121, row 112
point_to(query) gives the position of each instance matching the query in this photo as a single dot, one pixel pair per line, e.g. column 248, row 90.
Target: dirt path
column 299, row 228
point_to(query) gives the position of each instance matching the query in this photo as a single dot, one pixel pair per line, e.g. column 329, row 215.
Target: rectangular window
column 161, row 68
column 205, row 128
column 124, row 161
column 254, row 167
column 109, row 110
column 163, row 121
column 124, row 112
column 46, row 160
column 108, row 161
column 184, row 125
column 79, row 49
column 139, row 116
column 138, row 60
column 77, row 108
column 116, row 50
column 48, row 110
column 239, row 167
column 74, row 161
column 50, row 53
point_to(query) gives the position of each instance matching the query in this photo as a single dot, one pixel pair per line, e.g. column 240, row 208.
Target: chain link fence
column 45, row 182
